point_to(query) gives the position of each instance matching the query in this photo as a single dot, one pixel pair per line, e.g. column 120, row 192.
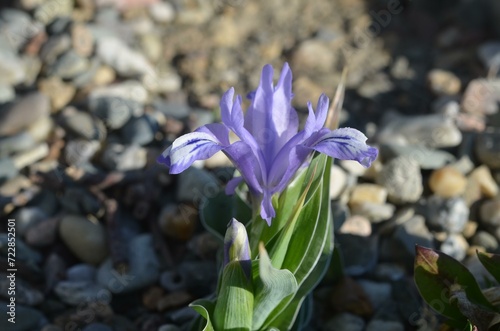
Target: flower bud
column 236, row 247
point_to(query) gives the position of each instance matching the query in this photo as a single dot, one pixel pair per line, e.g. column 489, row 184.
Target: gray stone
column 377, row 325
column 83, row 124
column 377, row 292
column 77, row 200
column 162, row 12
column 488, row 148
column 426, row 158
column 485, row 240
column 178, row 109
column 414, row 231
column 25, row 294
column 122, row 157
column 27, row 319
column 17, row 28
column 144, row 268
column 344, row 322
column 119, row 56
column 51, row 9
column 7, row 93
column 490, row 212
column 196, row 185
column 42, row 233
column 54, row 47
column 28, row 217
column 442, row 214
column 360, row 254
column 87, row 240
column 435, row 130
column 97, row 327
column 138, row 130
column 81, row 272
column 22, row 113
column 78, row 152
column 113, row 111
column 455, row 246
column 200, row 277
column 24, row 253
column 16, row 143
column 481, row 96
column 389, row 272
column 403, row 180
column 69, row 65
column 78, row 292
column 375, row 212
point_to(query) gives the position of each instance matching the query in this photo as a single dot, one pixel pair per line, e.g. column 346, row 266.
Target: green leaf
column 234, row 306
column 491, row 262
column 205, row 309
column 216, row 212
column 438, row 276
column 273, row 286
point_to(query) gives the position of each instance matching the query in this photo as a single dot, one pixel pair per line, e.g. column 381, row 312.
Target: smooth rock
column 43, row 233
column 27, row 319
column 127, row 62
column 82, row 40
column 25, row 293
column 75, row 293
column 338, row 181
column 196, row 185
column 16, row 143
column 356, row 225
column 104, row 75
column 344, row 322
column 113, row 111
column 143, row 270
column 490, row 212
column 23, row 112
column 30, row 156
column 97, row 327
column 60, row 93
column 455, row 246
column 313, row 55
column 82, row 124
column 486, row 240
column 377, row 325
column 412, row 232
column 26, row 218
column 402, row 179
column 482, row 178
column 489, row 54
column 69, row 65
column 87, row 240
column 435, row 130
column 162, row 12
column 54, row 47
column 78, row 152
column 7, row 93
column 375, row 212
column 371, row 193
column 353, row 167
column 448, row 215
column 122, row 157
column 488, row 148
column 389, row 272
column 360, row 254
column 447, row 182
column 138, row 130
column 427, row 158
column 17, row 28
column 40, row 129
column 12, row 68
column 178, row 221
column 482, row 96
column 443, row 82
column 7, row 169
column 81, row 273
column 377, row 292
column 24, row 253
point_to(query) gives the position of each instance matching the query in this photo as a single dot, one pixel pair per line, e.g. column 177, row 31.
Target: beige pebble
column 447, row 182
column 470, row 229
column 338, row 181
column 443, row 82
column 490, row 212
column 368, row 193
column 357, row 225
column 482, row 176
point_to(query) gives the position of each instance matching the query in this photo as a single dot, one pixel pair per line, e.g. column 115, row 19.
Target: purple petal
column 316, row 121
column 344, row 144
column 233, row 184
column 267, row 211
column 243, row 158
column 189, row 148
column 284, row 117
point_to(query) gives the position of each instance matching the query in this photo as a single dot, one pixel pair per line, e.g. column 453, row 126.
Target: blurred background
column 92, row 91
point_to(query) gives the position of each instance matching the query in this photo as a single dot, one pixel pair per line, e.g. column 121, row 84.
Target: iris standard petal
column 344, row 144
column 316, row 120
column 233, row 184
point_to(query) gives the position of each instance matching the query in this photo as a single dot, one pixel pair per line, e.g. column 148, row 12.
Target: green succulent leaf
column 205, row 308
column 492, row 263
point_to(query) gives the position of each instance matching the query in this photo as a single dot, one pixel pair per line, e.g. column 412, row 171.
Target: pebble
column 54, row 47
column 481, row 97
column 178, row 221
column 489, row 54
column 79, row 152
column 490, row 212
column 104, row 75
column 78, row 200
column 412, row 232
column 174, row 300
column 486, row 240
column 143, row 270
column 82, row 40
column 338, row 181
column 49, row 10
column 195, row 185
column 13, row 68
column 127, row 62
column 376, row 325
column 114, row 111
column 360, row 254
column 69, row 65
column 7, row 169
column 7, row 93
column 377, row 292
column 25, row 293
column 389, row 272
column 162, row 12
column 82, row 124
column 344, row 322
column 97, row 327
column 60, row 93
column 138, row 130
column 488, row 148
column 447, row 182
column 26, row 218
column 373, row 211
column 313, row 56
column 14, row 185
column 402, row 178
column 482, row 178
column 27, row 319
column 443, row 82
column 81, row 273
column 427, row 158
column 434, row 130
column 448, row 215
column 30, row 156
column 86, row 239
column 122, row 157
column 23, row 112
column 353, row 167
column 455, row 246
column 357, row 225
column 43, row 233
column 16, row 143
column 76, row 293
column 371, row 193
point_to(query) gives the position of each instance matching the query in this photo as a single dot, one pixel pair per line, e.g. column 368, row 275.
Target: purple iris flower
column 270, row 148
